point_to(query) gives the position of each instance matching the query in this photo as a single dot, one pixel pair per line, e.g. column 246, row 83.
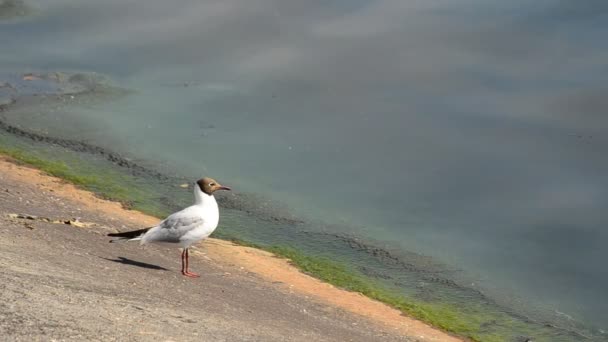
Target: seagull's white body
column 187, row 226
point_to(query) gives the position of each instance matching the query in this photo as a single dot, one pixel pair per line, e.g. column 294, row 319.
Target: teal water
column 459, row 144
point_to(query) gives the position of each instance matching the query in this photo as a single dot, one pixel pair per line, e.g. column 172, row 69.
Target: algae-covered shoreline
column 478, row 321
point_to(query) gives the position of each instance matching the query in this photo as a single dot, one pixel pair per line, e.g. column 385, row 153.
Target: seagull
column 185, row 227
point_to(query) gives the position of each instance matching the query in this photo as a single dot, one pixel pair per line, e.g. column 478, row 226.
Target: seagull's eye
column 211, row 184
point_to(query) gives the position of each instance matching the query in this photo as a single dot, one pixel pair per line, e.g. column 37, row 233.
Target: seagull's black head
column 210, row 185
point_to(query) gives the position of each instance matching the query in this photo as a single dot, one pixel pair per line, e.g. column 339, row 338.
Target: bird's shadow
column 126, row 261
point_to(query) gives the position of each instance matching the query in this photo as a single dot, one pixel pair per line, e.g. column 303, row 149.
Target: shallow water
column 471, row 132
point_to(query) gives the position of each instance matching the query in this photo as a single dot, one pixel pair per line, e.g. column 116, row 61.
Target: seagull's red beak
column 224, row 188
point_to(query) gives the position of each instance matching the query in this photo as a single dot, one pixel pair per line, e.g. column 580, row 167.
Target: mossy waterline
column 469, row 322
column 108, row 185
column 477, row 320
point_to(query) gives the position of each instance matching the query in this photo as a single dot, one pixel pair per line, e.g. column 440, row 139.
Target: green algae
column 110, row 185
column 470, row 322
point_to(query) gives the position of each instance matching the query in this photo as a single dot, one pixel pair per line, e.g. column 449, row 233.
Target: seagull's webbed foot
column 190, row 274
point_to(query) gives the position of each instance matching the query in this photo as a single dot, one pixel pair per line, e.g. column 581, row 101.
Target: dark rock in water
column 13, row 8
column 89, row 81
column 60, row 83
column 21, row 86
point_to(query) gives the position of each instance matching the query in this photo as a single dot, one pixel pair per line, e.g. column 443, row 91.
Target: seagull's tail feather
column 133, row 235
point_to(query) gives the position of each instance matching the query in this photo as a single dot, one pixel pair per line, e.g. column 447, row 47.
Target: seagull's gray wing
column 173, row 228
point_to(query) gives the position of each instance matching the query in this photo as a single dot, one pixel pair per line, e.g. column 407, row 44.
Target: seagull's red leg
column 187, row 262
column 184, row 262
column 187, row 272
